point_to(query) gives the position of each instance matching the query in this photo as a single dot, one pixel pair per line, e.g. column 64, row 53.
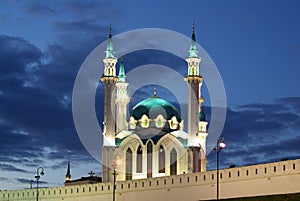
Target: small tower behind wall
column 68, row 175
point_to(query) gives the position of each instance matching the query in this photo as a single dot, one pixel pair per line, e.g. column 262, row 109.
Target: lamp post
column 220, row 145
column 39, row 173
column 117, row 162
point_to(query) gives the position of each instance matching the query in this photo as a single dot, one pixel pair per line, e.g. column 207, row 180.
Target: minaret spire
column 122, row 99
column 193, row 47
column 122, row 76
column 110, row 31
column 109, row 48
column 193, row 32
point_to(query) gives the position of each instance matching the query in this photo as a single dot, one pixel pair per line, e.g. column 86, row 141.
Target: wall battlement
column 263, row 179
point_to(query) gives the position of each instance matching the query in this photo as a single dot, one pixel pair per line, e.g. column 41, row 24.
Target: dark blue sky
column 255, row 45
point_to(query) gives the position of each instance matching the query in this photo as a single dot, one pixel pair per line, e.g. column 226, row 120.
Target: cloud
column 40, row 8
column 28, row 181
column 11, row 168
column 44, row 112
column 3, row 179
column 260, row 133
column 77, row 26
column 17, row 56
column 36, row 85
column 40, row 110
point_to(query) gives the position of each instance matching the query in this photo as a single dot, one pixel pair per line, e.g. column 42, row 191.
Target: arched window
column 173, row 122
column 149, row 159
column 139, row 160
column 173, row 162
column 161, row 159
column 160, row 121
column 144, row 121
column 128, row 164
column 112, row 71
column 193, row 70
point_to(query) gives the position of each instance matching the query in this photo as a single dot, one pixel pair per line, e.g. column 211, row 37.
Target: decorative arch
column 131, row 141
column 169, row 142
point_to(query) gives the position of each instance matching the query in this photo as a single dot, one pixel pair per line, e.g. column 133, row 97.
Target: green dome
column 152, row 107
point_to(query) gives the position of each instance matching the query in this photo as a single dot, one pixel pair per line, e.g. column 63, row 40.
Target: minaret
column 193, row 80
column 196, row 154
column 122, row 99
column 109, row 79
column 68, row 175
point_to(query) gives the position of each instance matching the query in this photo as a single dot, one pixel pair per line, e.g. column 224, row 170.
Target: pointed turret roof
column 122, row 75
column 193, row 47
column 109, row 48
column 68, row 175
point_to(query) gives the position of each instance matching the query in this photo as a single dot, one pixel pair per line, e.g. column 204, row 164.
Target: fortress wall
column 264, row 179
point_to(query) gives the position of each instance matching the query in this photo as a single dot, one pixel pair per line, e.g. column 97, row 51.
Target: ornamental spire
column 68, row 175
column 193, row 32
column 154, row 92
column 193, row 47
column 122, row 75
column 109, row 48
column 110, row 31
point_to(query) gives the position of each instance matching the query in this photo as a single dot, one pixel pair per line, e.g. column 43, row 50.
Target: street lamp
column 39, row 173
column 117, row 162
column 220, row 145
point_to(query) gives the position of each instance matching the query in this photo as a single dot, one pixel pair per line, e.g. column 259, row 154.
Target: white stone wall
column 264, row 179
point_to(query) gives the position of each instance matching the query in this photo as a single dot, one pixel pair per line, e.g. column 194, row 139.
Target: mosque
column 150, row 140
column 155, row 159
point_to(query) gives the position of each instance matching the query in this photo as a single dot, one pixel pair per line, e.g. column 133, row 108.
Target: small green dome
column 202, row 116
column 152, row 107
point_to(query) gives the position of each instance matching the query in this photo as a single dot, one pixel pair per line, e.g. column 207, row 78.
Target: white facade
column 150, row 141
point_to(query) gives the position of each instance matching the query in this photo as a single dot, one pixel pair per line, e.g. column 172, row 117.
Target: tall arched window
column 173, row 162
column 128, row 164
column 139, row 160
column 149, row 159
column 161, row 159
